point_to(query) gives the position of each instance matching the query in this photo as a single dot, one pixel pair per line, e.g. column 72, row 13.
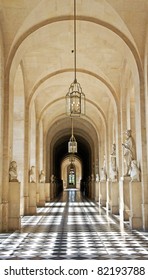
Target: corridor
column 73, row 227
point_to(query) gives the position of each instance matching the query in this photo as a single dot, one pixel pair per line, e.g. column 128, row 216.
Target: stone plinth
column 14, row 219
column 41, row 188
column 47, row 191
column 124, row 198
column 135, row 205
column 32, row 190
column 114, row 197
column 108, row 195
column 96, row 191
column 102, row 193
column 51, row 191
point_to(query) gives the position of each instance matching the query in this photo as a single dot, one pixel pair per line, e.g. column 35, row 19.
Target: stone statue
column 42, row 177
column 13, row 172
column 32, row 174
column 113, row 153
column 103, row 175
column 97, row 177
column 135, row 172
column 113, row 169
column 128, row 152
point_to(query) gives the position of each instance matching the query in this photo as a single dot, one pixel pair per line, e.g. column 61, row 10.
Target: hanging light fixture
column 75, row 98
column 72, row 144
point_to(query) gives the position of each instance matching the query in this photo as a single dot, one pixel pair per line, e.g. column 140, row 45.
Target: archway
column 65, row 170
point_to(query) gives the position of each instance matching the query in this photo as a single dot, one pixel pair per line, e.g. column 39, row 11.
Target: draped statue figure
column 128, row 152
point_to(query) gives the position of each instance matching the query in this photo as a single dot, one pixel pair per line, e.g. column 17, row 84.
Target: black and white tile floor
column 73, row 228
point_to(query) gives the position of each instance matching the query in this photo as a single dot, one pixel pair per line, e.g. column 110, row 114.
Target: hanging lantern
column 72, row 145
column 75, row 98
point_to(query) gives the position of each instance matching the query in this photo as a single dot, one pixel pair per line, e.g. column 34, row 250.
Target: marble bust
column 13, row 172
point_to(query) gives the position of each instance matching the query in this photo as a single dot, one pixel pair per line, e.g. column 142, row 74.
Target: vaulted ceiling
column 38, row 36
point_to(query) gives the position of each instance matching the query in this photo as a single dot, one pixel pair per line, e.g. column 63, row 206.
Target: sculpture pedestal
column 108, row 195
column 47, row 191
column 114, row 197
column 32, row 188
column 41, row 188
column 102, row 193
column 124, row 197
column 97, row 191
column 14, row 219
column 51, row 190
column 135, row 205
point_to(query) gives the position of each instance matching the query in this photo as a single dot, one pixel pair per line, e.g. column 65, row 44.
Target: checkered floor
column 73, row 228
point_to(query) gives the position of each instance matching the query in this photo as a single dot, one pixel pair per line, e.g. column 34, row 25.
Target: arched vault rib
column 107, row 25
column 61, row 98
column 50, row 75
column 88, row 119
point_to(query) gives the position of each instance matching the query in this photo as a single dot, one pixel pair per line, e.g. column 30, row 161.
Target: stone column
column 124, row 197
column 102, row 193
column 108, row 194
column 92, row 190
column 114, row 194
column 14, row 220
column 97, row 191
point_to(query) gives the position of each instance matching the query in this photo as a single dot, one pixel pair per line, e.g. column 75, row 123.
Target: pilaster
column 32, row 198
column 102, row 193
column 124, row 198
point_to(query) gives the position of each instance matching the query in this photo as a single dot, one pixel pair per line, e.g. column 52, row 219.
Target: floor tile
column 78, row 229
